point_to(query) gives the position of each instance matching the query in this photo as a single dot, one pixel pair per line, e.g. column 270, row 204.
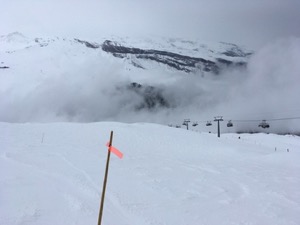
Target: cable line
column 287, row 118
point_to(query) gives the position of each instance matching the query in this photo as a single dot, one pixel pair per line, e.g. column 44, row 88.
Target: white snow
column 53, row 174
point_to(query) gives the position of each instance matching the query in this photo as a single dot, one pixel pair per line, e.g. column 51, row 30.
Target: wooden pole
column 105, row 180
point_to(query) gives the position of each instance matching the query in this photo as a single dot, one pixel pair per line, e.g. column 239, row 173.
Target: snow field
column 53, row 174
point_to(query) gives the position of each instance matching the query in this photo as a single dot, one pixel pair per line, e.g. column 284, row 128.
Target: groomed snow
column 53, row 174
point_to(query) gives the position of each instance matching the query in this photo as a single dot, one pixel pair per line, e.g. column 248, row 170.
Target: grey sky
column 252, row 23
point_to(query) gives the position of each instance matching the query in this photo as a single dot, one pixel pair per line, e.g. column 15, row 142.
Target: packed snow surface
column 53, row 174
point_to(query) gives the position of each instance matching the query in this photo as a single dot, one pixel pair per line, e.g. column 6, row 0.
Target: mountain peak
column 14, row 37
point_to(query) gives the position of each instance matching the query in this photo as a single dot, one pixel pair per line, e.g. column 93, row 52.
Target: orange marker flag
column 115, row 151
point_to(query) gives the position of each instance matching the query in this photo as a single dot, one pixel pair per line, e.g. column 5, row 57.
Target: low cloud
column 270, row 89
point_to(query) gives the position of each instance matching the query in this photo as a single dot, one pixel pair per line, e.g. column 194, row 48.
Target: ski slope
column 53, row 174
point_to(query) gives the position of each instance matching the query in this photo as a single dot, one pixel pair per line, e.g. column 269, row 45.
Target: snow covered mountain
column 154, row 65
column 161, row 80
column 176, row 54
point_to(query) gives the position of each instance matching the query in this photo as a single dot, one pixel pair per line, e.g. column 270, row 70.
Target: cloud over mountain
column 67, row 80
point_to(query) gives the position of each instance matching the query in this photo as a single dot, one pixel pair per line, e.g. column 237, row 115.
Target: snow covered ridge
column 177, row 54
column 17, row 41
column 53, row 174
column 176, row 61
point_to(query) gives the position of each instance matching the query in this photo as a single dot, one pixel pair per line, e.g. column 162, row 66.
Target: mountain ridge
column 171, row 55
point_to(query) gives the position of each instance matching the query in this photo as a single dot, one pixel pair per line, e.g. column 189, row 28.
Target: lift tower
column 186, row 123
column 218, row 119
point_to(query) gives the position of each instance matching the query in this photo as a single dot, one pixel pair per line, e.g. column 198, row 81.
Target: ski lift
column 195, row 124
column 185, row 123
column 229, row 124
column 208, row 123
column 264, row 124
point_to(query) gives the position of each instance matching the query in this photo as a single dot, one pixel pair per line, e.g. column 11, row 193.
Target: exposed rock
column 177, row 61
column 152, row 97
column 235, row 51
column 174, row 60
column 88, row 44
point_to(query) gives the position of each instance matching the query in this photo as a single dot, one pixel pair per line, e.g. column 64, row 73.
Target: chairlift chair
column 208, row 123
column 195, row 124
column 264, row 124
column 229, row 124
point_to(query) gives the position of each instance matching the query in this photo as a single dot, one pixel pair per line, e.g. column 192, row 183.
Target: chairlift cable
column 290, row 118
column 287, row 118
column 253, row 120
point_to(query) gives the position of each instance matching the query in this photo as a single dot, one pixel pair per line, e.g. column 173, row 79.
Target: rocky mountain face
column 152, row 97
column 176, row 61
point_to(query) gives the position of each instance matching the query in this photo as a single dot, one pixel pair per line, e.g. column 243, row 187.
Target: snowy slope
column 194, row 48
column 16, row 47
column 53, row 173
